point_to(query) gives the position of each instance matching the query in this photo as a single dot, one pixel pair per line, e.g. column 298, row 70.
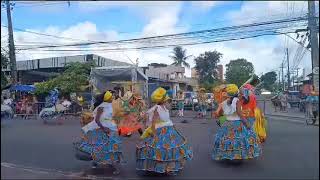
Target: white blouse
column 230, row 111
column 105, row 118
column 164, row 117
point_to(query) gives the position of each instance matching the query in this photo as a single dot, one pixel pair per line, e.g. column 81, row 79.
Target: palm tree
column 180, row 57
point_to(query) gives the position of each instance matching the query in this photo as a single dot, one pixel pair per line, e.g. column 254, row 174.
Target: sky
column 117, row 20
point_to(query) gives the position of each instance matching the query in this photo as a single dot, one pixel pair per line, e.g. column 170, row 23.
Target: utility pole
column 12, row 54
column 298, row 82
column 282, row 76
column 287, row 51
column 314, row 44
column 279, row 81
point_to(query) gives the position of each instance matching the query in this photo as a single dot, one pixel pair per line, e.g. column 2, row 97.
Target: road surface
column 32, row 150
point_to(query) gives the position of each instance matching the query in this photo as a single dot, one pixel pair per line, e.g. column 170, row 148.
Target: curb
column 277, row 115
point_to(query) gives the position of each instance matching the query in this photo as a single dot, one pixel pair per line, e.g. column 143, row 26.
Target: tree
column 239, row 71
column 180, row 57
column 4, row 62
column 206, row 65
column 72, row 79
column 269, row 80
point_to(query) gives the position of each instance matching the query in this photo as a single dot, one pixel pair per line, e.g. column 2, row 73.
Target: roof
column 60, row 62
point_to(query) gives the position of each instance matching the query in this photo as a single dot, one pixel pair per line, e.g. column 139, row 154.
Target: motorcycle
column 53, row 113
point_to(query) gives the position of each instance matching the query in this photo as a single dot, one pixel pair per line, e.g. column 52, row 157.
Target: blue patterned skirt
column 251, row 121
column 165, row 153
column 234, row 141
column 104, row 149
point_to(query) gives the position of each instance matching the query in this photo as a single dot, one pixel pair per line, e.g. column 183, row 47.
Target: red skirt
column 129, row 124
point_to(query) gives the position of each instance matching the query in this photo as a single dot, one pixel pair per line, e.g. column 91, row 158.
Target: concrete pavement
column 291, row 152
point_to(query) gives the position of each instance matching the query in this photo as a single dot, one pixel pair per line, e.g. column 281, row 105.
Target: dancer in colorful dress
column 180, row 102
column 100, row 137
column 252, row 112
column 166, row 150
column 248, row 103
column 133, row 107
column 234, row 140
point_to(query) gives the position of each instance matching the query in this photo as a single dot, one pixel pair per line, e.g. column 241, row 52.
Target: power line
column 163, row 46
column 43, row 34
column 204, row 33
column 40, row 4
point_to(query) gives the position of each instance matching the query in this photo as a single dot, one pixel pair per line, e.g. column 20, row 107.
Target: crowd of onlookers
column 28, row 105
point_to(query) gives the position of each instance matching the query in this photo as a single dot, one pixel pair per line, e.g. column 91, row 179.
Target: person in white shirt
column 235, row 140
column 7, row 101
column 101, row 138
column 166, row 150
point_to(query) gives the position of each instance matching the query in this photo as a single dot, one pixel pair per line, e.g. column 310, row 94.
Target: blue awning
column 23, row 88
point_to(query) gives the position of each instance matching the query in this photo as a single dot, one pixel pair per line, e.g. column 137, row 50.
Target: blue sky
column 122, row 20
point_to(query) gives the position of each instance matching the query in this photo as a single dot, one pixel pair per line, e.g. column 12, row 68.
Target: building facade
column 38, row 70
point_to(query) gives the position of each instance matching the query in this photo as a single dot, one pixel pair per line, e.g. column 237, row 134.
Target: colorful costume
column 131, row 121
column 167, row 150
column 248, row 107
column 104, row 148
column 253, row 114
column 233, row 140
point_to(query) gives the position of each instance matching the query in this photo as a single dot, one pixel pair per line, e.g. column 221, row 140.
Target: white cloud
column 206, row 5
column 265, row 54
column 252, row 11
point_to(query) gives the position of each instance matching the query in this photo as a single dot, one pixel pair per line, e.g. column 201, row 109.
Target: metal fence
column 35, row 109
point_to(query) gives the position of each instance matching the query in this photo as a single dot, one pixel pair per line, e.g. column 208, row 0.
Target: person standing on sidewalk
column 284, row 101
column 180, row 102
column 202, row 98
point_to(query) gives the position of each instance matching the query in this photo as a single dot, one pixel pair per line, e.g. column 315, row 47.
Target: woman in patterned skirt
column 166, row 150
column 100, row 137
column 235, row 140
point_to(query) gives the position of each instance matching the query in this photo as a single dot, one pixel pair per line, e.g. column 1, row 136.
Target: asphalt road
column 31, row 149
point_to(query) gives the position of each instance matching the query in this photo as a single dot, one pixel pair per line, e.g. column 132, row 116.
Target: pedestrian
column 235, row 140
column 100, row 137
column 180, row 102
column 284, row 101
column 202, row 100
column 7, row 101
column 166, row 150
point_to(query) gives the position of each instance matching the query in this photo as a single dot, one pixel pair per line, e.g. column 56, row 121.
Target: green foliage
column 206, row 65
column 180, row 57
column 209, row 86
column 72, row 79
column 269, row 80
column 4, row 62
column 239, row 71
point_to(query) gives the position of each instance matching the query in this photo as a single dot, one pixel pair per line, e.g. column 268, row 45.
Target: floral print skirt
column 166, row 152
column 104, row 149
column 234, row 141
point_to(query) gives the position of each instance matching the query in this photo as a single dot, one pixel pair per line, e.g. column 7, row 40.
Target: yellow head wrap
column 202, row 90
column 159, row 95
column 80, row 99
column 232, row 89
column 107, row 96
